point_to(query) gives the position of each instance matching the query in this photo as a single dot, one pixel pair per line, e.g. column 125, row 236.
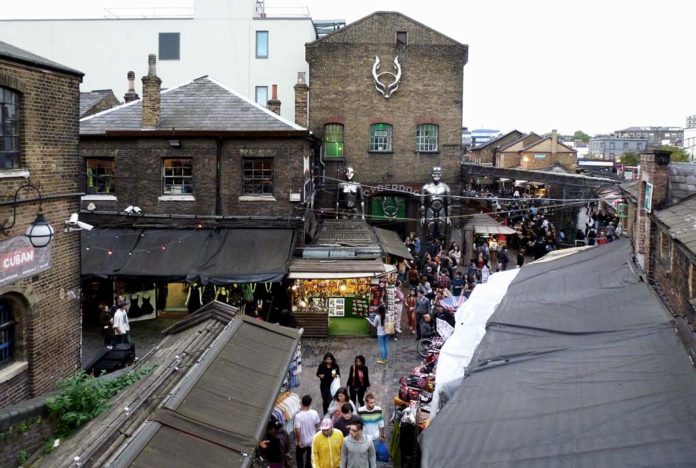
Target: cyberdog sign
column 19, row 259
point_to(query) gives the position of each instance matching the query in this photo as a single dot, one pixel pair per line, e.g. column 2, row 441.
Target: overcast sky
column 534, row 65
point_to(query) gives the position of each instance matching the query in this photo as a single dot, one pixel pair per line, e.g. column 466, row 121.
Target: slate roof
column 90, row 99
column 524, row 135
column 498, row 138
column 199, row 105
column 20, row 55
column 631, row 188
column 682, row 181
column 560, row 145
column 680, row 219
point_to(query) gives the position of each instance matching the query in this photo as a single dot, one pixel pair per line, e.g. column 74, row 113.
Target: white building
column 237, row 42
column 690, row 137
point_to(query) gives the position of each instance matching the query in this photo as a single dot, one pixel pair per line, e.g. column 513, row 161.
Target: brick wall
column 48, row 322
column 485, row 154
column 25, row 427
column 342, row 90
column 672, row 277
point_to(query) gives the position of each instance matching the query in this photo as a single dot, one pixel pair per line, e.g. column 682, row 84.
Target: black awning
column 220, row 256
column 392, row 244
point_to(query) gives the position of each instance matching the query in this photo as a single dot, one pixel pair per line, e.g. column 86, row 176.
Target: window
column 261, row 44
column 612, row 145
column 625, row 145
column 7, row 335
column 169, row 46
column 9, row 129
column 100, row 175
column 639, row 146
column 665, row 251
column 177, row 176
column 257, row 177
column 401, row 38
column 426, row 137
column 262, row 96
column 333, row 140
column 381, row 137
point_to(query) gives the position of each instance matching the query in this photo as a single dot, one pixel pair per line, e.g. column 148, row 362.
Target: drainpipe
column 218, row 177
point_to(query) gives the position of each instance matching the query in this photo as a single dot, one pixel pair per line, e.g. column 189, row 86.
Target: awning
column 392, row 244
column 304, row 268
column 484, row 224
column 219, row 256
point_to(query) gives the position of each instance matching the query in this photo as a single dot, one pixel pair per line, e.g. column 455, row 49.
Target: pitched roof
column 203, row 104
column 20, row 55
column 680, row 219
column 90, row 99
column 532, row 145
column 631, row 188
column 682, row 181
column 525, row 135
column 498, row 138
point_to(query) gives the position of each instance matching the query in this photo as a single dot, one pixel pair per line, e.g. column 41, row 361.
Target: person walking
column 371, row 414
column 340, row 398
column 358, row 380
column 326, row 446
column 398, row 306
column 307, row 424
column 328, row 369
column 411, row 310
column 422, row 308
column 382, row 338
column 121, row 325
column 358, row 450
column 106, row 320
column 520, row 259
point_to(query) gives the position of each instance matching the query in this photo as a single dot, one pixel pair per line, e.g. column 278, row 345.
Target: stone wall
column 24, row 429
column 46, row 307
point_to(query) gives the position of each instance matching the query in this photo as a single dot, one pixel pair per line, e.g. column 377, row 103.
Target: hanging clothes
column 161, row 293
column 194, row 301
column 146, row 308
column 134, row 311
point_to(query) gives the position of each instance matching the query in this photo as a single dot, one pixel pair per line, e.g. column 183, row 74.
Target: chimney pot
column 274, row 103
column 274, row 93
column 152, row 65
column 301, row 100
column 131, row 95
column 151, row 95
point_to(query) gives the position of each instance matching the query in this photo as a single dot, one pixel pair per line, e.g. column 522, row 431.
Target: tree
column 580, row 135
column 630, row 158
column 678, row 154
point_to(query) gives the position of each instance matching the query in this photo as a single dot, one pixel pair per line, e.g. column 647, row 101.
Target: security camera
column 133, row 210
column 74, row 223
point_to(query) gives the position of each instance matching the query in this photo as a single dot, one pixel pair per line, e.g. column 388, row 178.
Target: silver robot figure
column 350, row 200
column 435, row 206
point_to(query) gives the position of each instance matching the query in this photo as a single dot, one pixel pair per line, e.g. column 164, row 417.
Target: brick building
column 487, row 152
column 39, row 287
column 97, row 101
column 392, row 130
column 195, row 184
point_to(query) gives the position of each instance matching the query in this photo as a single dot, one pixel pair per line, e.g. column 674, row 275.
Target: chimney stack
column 554, row 146
column 301, row 98
column 274, row 103
column 131, row 95
column 151, row 95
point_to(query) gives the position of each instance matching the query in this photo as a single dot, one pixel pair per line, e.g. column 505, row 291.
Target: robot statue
column 350, row 201
column 435, row 206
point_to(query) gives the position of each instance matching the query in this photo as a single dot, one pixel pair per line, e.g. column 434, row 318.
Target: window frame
column 169, row 35
column 13, row 156
column 263, row 33
column 666, row 247
column 253, row 180
column 374, row 146
column 401, row 35
column 424, row 143
column 109, row 179
column 256, row 95
column 8, row 335
column 338, row 139
column 182, row 177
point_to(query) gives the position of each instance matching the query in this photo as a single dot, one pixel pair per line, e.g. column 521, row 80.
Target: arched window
column 7, row 334
column 426, row 137
column 9, row 129
column 333, row 140
column 380, row 137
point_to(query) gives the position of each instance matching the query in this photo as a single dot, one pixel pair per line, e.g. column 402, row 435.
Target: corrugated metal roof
column 200, row 105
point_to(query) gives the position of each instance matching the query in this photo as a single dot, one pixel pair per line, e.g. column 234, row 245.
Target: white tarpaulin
column 471, row 318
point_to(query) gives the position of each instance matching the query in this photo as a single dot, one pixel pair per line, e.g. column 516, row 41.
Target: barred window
column 426, row 137
column 333, row 140
column 7, row 335
column 9, row 129
column 257, row 176
column 381, row 137
column 177, row 176
column 100, row 175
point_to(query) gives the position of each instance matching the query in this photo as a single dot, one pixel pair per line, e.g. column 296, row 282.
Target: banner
column 19, row 259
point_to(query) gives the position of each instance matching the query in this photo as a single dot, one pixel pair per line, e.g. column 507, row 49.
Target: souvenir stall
column 336, row 302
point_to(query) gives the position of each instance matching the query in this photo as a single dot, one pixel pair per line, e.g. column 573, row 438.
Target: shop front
column 482, row 228
column 173, row 272
column 333, row 297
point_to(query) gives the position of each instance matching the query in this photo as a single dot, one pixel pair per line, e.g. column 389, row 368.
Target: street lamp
column 40, row 232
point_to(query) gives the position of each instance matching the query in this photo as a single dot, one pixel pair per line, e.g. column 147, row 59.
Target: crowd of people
column 114, row 322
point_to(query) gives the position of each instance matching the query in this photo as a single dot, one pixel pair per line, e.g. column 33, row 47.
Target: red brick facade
column 46, row 307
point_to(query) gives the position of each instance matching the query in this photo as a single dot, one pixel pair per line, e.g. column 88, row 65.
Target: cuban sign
column 19, row 259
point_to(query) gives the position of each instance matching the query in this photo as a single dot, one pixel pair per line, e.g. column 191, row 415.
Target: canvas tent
column 580, row 366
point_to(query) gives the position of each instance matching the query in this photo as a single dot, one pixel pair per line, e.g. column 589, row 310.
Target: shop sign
column 19, row 259
column 647, row 202
column 406, row 189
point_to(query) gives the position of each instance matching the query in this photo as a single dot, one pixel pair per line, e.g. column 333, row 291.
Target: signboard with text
column 19, row 259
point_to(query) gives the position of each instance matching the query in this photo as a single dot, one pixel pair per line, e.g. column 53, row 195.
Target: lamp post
column 40, row 232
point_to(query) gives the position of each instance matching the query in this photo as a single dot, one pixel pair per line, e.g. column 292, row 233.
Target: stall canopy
column 392, row 244
column 484, row 224
column 218, row 413
column 580, row 366
column 305, row 268
column 219, row 256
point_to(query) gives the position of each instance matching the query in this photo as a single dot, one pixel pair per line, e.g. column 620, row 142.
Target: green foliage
column 22, row 456
column 84, row 397
column 23, row 427
column 580, row 135
column 630, row 158
column 48, row 446
column 678, row 154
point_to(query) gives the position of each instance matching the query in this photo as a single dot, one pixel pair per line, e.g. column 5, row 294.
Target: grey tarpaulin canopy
column 580, row 366
column 484, row 224
column 219, row 256
column 392, row 244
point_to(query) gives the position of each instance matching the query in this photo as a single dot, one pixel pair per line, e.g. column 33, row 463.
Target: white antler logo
column 386, row 89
